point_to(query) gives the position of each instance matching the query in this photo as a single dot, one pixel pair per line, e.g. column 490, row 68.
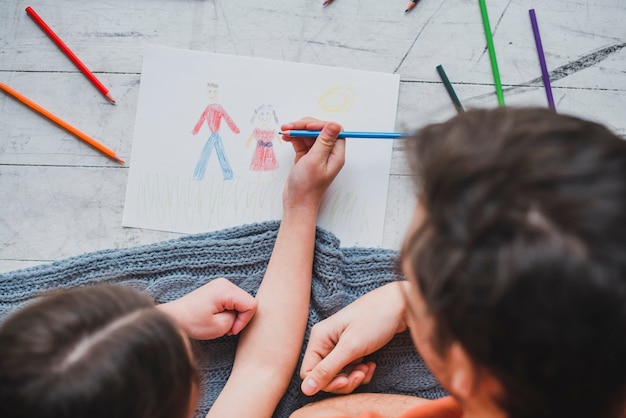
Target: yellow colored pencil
column 106, row 151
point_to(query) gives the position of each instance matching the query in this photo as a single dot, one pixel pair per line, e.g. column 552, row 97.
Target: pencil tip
column 119, row 160
column 109, row 98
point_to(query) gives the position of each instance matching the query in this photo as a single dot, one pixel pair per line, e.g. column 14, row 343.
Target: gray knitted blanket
column 171, row 269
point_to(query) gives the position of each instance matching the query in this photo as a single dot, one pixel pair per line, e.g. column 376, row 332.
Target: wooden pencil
column 545, row 75
column 68, row 52
column 446, row 82
column 34, row 106
column 492, row 52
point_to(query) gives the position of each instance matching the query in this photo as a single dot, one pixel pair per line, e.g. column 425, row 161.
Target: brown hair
column 101, row 351
column 522, row 256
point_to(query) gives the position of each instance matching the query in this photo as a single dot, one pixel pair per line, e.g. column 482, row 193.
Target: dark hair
column 522, row 256
column 101, row 351
column 262, row 107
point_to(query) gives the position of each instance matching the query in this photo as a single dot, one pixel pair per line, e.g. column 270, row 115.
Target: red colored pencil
column 82, row 67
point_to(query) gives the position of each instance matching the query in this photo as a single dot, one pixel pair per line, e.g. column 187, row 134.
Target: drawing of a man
column 213, row 115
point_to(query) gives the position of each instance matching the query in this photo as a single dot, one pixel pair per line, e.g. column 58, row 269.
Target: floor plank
column 61, row 198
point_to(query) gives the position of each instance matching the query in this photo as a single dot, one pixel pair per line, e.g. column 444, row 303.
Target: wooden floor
column 59, row 198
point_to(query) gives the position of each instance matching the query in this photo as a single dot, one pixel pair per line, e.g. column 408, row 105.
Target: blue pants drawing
column 214, row 141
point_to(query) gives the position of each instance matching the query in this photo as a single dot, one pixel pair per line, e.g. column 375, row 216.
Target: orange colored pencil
column 106, row 151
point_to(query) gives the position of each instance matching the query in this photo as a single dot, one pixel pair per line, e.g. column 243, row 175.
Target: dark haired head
column 522, row 256
column 101, row 351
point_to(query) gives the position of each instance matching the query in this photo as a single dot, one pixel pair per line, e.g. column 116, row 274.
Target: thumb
column 325, row 142
column 241, row 321
column 245, row 307
column 322, row 374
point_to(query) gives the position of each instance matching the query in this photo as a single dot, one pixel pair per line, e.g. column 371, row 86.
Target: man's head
column 213, row 90
column 99, row 351
column 518, row 255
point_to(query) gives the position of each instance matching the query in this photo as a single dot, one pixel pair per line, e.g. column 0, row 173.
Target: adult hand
column 333, row 358
column 317, row 163
column 218, row 308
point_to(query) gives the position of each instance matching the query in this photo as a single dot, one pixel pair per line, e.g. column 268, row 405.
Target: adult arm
column 374, row 405
column 355, row 405
column 268, row 349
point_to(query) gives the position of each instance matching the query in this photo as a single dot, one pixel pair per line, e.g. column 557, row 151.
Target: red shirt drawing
column 213, row 115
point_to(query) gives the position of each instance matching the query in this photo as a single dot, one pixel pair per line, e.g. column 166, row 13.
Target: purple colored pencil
column 542, row 59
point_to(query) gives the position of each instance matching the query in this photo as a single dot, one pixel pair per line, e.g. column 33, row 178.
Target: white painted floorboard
column 59, row 198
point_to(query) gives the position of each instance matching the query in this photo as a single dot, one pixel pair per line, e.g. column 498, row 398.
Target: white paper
column 166, row 191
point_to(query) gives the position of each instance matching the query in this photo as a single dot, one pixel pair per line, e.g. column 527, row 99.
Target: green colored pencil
column 492, row 52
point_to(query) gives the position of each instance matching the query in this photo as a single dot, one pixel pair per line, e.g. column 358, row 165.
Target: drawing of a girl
column 264, row 158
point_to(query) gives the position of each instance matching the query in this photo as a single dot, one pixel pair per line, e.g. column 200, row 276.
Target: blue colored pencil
column 346, row 134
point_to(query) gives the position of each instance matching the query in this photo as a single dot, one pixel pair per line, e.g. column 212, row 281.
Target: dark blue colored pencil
column 450, row 89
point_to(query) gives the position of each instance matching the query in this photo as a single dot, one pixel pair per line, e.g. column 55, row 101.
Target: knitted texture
column 168, row 270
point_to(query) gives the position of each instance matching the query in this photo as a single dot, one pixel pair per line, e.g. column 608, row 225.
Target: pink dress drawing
column 264, row 158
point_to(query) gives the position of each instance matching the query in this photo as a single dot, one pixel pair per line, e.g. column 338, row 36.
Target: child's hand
column 218, row 308
column 317, row 163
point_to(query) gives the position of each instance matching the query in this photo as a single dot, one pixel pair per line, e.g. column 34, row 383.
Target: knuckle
column 323, row 372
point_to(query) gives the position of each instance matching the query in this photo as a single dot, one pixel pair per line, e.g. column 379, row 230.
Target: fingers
column 322, row 341
column 301, row 145
column 361, row 374
column 244, row 307
column 306, row 123
column 223, row 323
column 325, row 148
column 327, row 369
column 342, row 383
column 241, row 321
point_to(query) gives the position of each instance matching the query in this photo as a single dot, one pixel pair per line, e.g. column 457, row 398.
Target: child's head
column 265, row 115
column 518, row 256
column 102, row 351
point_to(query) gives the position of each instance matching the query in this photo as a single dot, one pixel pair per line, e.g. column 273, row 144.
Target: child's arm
column 269, row 347
column 249, row 140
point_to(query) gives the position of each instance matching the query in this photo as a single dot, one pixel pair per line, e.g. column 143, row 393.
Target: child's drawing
column 213, row 115
column 264, row 133
column 163, row 193
column 338, row 99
